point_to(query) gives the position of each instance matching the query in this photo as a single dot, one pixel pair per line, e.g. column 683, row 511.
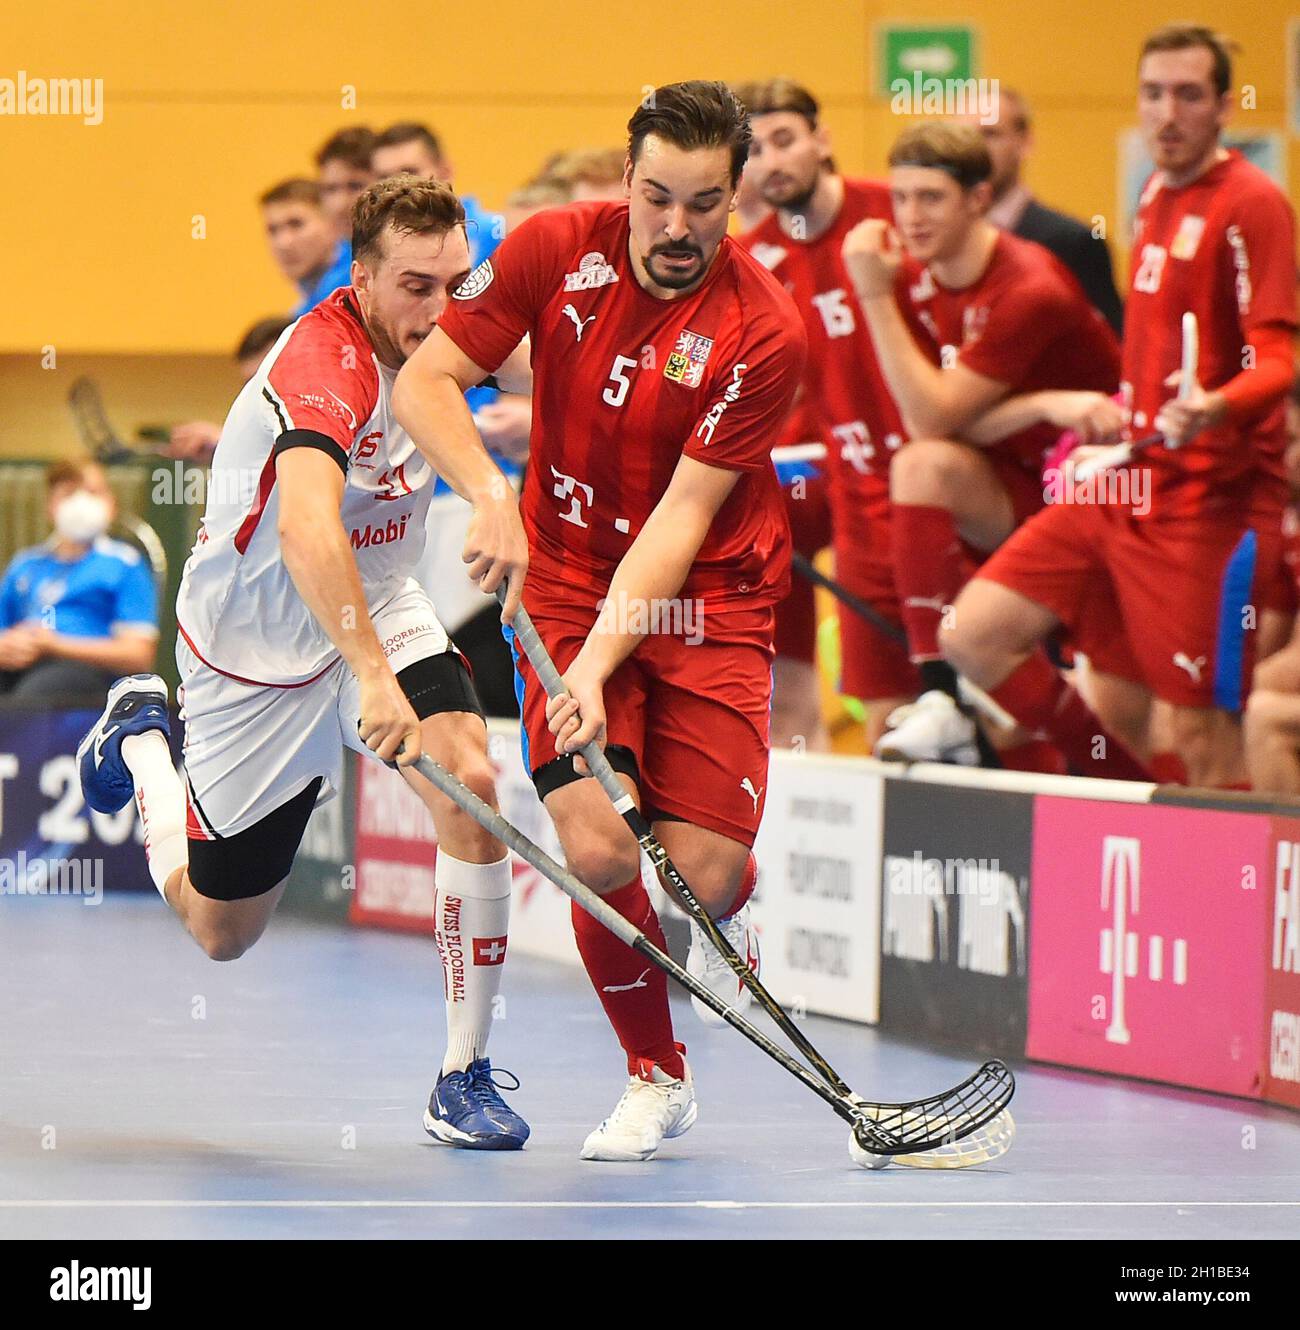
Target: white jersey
column 319, row 386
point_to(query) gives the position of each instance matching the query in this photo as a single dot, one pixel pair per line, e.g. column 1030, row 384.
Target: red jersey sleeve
column 1261, row 248
column 1021, row 322
column 498, row 303
column 751, row 401
column 321, row 385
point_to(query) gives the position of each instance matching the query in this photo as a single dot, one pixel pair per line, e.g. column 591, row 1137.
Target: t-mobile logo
column 566, row 487
column 855, row 443
column 1121, row 870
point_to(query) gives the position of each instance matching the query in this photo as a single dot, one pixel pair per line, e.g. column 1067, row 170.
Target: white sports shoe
column 653, row 1107
column 931, row 729
column 706, row 964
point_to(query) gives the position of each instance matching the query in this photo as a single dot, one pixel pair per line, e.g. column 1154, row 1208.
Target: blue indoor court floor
column 147, row 1092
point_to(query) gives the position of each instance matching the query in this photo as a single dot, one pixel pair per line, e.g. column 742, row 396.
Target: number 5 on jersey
column 618, row 381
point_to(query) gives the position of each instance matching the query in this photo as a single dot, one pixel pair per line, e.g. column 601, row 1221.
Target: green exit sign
column 939, row 51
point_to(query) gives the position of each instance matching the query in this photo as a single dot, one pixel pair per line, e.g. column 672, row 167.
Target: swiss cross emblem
column 688, row 359
column 489, row 950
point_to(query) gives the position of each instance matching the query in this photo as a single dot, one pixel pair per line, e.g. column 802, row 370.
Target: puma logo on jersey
column 627, row 988
column 579, row 325
column 934, row 603
column 592, row 272
column 1193, row 667
column 748, row 786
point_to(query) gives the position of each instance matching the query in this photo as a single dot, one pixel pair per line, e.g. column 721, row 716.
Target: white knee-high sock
column 160, row 797
column 471, row 904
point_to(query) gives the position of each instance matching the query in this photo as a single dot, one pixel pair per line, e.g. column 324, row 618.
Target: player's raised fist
column 873, row 255
column 496, row 548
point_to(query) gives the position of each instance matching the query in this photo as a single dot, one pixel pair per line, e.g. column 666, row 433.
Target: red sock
column 1036, row 695
column 927, row 572
column 638, row 1009
column 748, row 879
column 1168, row 768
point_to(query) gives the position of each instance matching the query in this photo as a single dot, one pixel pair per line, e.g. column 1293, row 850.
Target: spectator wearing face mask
column 81, row 609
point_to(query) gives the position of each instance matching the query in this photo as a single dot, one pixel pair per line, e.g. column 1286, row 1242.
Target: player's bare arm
column 654, row 568
column 935, row 403
column 1094, row 417
column 318, row 557
column 429, row 402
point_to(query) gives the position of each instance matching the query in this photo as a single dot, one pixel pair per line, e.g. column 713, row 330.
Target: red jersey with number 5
column 1222, row 247
column 624, row 385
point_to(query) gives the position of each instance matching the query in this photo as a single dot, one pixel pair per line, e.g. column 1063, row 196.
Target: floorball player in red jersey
column 1022, row 355
column 800, row 243
column 1180, row 578
column 665, row 360
column 303, row 631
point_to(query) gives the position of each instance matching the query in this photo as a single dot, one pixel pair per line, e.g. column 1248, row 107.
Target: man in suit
column 1009, row 139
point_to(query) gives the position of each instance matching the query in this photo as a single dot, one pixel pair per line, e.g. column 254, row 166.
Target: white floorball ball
column 864, row 1158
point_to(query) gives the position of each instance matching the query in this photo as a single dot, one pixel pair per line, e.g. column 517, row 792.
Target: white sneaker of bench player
column 931, row 729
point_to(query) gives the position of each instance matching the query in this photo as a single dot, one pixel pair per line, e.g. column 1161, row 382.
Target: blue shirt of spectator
column 339, row 273
column 108, row 588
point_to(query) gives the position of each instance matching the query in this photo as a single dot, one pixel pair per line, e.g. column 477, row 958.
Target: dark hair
column 352, row 146
column 262, row 336
column 294, row 190
column 767, row 96
column 410, row 203
column 1188, row 36
column 693, row 115
column 67, row 471
column 957, row 149
column 408, row 131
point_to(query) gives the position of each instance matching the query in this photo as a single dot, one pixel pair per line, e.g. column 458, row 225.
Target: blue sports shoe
column 466, row 1110
column 136, row 703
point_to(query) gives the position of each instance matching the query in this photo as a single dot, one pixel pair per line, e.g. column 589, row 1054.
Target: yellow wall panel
column 207, row 104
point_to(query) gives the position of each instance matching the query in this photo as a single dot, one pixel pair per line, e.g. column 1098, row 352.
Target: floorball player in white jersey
column 302, row 631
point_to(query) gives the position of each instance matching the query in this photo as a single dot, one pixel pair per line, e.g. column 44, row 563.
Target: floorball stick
column 975, row 1108
column 1121, row 453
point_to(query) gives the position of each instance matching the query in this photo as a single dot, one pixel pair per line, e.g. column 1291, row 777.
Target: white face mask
column 82, row 516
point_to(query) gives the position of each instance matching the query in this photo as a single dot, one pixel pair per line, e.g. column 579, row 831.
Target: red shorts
column 1281, row 592
column 1174, row 603
column 810, row 529
column 1023, row 487
column 693, row 709
column 873, row 665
